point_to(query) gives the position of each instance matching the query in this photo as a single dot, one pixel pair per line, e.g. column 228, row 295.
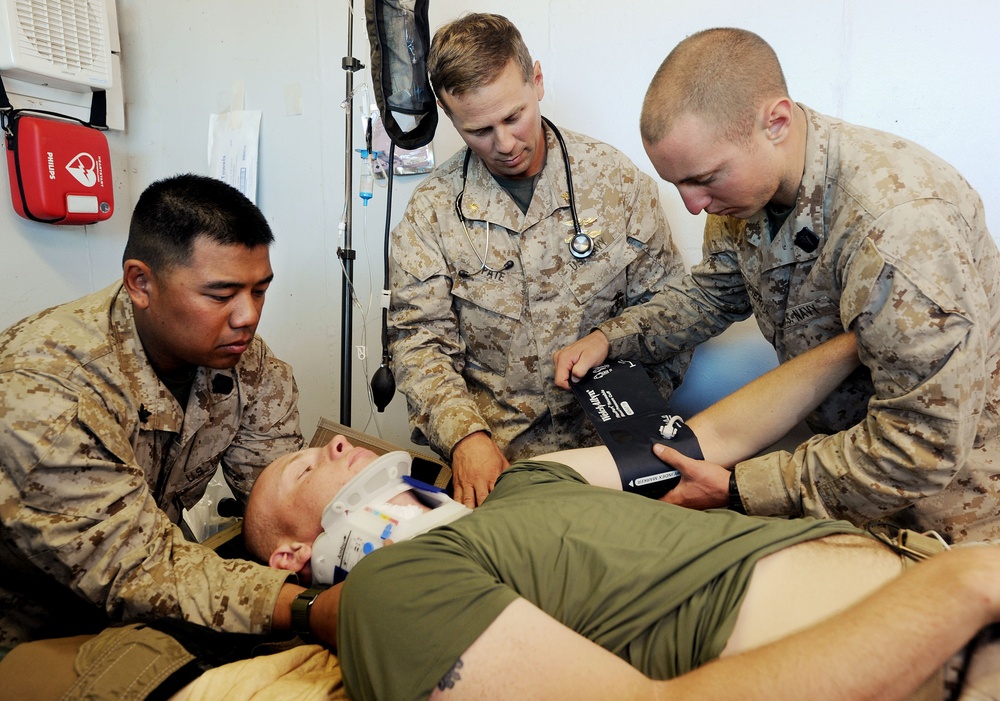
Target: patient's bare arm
column 747, row 421
column 761, row 412
column 753, row 417
column 884, row 648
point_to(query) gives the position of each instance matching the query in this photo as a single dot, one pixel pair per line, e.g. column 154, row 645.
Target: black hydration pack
column 400, row 40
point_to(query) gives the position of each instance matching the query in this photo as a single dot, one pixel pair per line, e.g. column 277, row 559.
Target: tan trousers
column 120, row 663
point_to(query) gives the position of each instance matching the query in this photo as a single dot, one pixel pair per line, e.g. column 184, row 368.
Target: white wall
column 913, row 68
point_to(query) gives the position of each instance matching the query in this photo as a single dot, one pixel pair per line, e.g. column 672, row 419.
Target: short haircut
column 261, row 529
column 266, row 527
column 722, row 76
column 471, row 51
column 173, row 212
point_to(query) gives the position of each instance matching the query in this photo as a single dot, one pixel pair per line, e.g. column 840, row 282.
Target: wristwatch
column 301, row 605
column 735, row 502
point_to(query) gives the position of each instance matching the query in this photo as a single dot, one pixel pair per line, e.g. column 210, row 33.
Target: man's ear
column 292, row 556
column 537, row 80
column 137, row 278
column 777, row 119
column 443, row 106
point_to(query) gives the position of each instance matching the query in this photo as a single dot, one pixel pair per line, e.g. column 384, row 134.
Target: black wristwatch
column 735, row 502
column 301, row 606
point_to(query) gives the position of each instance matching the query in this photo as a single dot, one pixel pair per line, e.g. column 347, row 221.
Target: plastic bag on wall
column 405, row 161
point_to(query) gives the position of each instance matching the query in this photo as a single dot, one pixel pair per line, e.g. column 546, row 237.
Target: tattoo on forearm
column 451, row 677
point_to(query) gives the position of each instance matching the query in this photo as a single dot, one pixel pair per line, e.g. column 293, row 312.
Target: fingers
column 483, row 487
column 703, row 485
column 670, row 456
column 482, row 492
column 469, row 498
column 458, row 493
column 564, row 366
column 464, row 489
column 573, row 361
column 472, row 495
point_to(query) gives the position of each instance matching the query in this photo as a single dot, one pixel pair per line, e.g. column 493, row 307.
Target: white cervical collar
column 354, row 525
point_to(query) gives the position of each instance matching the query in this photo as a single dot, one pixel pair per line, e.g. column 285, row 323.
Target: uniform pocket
column 489, row 312
column 601, row 279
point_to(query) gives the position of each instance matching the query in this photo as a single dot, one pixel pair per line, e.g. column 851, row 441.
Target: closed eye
column 698, row 180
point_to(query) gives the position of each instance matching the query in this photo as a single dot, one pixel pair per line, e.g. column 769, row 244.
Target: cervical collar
column 354, row 525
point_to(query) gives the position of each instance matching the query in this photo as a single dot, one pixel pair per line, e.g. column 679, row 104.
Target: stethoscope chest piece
column 581, row 245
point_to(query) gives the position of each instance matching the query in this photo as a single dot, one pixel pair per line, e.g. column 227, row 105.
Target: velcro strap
column 909, row 544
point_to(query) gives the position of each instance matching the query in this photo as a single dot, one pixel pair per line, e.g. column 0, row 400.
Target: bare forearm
column 759, row 413
column 281, row 619
column 882, row 648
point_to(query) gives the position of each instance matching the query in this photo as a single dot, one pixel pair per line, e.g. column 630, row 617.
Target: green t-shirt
column 658, row 585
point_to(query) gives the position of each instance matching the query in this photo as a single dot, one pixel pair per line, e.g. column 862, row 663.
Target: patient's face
column 298, row 486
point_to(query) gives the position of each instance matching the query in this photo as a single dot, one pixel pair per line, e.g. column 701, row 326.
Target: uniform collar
column 157, row 408
column 486, row 200
column 816, row 177
column 804, row 230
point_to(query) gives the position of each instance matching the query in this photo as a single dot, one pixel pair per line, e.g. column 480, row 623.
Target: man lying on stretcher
column 555, row 589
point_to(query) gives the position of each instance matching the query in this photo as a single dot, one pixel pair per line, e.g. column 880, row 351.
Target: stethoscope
column 581, row 245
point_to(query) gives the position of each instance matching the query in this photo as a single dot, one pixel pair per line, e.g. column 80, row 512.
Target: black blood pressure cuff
column 630, row 415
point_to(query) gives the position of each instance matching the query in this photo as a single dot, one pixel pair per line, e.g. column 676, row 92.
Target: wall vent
column 59, row 43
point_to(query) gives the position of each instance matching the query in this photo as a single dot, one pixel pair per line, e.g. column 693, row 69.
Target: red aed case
column 60, row 172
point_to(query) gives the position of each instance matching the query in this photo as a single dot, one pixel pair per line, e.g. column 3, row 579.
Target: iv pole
column 346, row 253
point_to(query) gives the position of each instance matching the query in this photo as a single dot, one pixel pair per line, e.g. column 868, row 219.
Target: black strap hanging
column 400, row 39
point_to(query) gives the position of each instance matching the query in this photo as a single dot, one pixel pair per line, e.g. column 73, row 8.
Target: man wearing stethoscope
column 510, row 250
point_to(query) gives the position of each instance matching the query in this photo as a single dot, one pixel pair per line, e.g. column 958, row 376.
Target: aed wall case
column 60, row 171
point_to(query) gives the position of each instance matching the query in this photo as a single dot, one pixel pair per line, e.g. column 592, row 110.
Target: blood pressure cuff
column 630, row 415
column 400, row 39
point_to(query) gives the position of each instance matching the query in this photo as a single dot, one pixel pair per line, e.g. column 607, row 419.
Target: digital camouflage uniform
column 889, row 241
column 97, row 462
column 474, row 353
